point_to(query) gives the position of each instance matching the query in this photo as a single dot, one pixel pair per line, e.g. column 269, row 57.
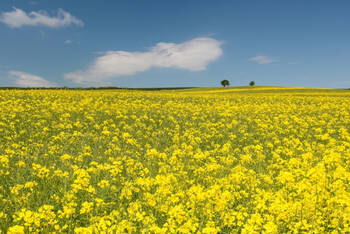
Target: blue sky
column 174, row 43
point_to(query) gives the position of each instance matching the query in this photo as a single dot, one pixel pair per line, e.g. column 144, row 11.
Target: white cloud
column 193, row 55
column 18, row 18
column 261, row 59
column 68, row 42
column 28, row 80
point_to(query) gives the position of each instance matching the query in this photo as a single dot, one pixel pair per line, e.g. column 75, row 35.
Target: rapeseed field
column 192, row 161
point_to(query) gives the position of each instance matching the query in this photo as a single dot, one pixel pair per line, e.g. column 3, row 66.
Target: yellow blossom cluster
column 205, row 161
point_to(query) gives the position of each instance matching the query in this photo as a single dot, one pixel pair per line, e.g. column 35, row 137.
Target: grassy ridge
column 196, row 89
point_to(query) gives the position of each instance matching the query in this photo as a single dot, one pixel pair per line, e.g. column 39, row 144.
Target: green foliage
column 225, row 83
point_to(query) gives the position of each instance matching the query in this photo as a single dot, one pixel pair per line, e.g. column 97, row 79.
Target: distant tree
column 252, row 83
column 225, row 83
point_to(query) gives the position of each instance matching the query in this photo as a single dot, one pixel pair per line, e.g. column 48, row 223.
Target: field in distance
column 262, row 89
column 208, row 160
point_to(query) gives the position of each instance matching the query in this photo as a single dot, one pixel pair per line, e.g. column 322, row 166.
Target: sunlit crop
column 174, row 162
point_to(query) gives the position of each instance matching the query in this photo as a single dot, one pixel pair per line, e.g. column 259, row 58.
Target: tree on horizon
column 225, row 83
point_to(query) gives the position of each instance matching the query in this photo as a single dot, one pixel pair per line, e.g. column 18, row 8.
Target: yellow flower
column 17, row 229
column 65, row 157
column 86, row 207
column 83, row 230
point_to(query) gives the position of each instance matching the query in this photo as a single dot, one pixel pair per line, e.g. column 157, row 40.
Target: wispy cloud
column 68, row 42
column 28, row 80
column 261, row 59
column 193, row 55
column 19, row 18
